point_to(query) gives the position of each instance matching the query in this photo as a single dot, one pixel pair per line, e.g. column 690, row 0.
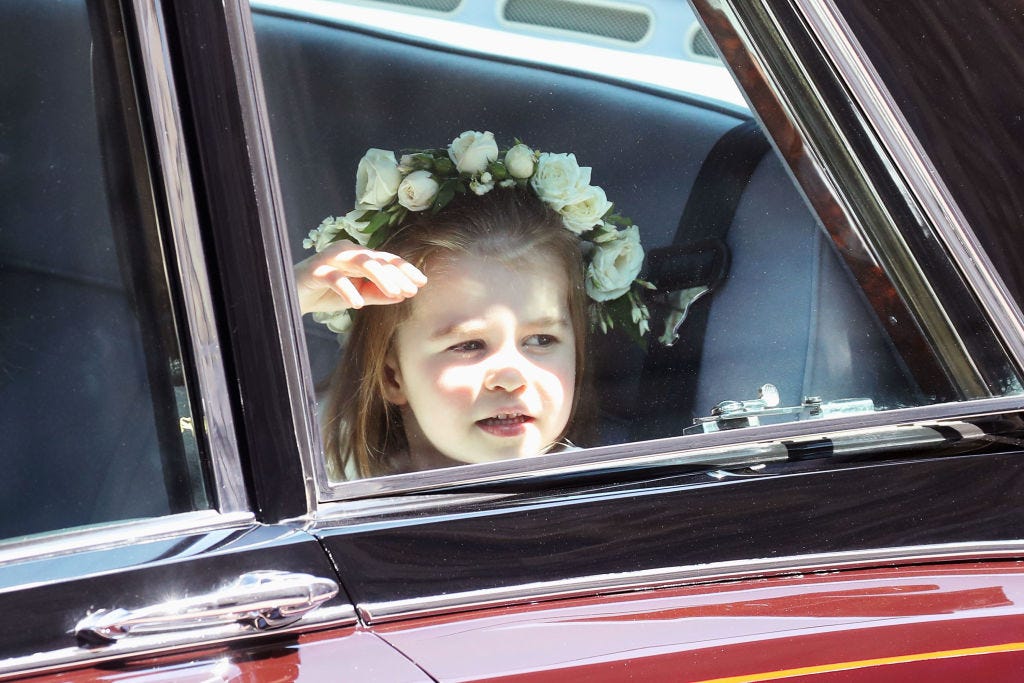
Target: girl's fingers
column 411, row 272
column 348, row 292
column 354, row 276
column 391, row 278
column 384, row 276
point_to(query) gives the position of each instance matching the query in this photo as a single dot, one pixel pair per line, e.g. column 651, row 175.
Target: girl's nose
column 506, row 372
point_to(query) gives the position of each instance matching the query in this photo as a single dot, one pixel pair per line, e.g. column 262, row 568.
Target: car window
column 761, row 312
column 96, row 421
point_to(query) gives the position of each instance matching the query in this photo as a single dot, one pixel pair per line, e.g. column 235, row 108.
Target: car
column 809, row 470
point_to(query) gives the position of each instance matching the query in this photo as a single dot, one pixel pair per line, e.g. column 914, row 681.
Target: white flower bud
column 519, row 161
column 479, row 188
column 337, row 322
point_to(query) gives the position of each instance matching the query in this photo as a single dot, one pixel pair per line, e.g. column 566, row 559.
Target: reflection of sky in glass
column 705, row 80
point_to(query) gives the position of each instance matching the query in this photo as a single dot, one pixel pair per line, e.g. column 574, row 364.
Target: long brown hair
column 363, row 433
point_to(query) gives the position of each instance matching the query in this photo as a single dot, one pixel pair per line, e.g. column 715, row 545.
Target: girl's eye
column 541, row 340
column 467, row 346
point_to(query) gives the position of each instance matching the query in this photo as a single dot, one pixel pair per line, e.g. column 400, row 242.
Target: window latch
column 736, row 414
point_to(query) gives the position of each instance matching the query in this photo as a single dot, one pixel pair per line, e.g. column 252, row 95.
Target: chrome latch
column 737, row 414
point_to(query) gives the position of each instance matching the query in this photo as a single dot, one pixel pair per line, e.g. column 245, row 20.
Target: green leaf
column 444, row 195
column 376, row 223
column 377, row 239
column 619, row 314
column 498, row 170
column 444, row 166
column 367, row 216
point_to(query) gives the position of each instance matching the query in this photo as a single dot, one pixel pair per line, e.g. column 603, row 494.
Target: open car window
column 774, row 301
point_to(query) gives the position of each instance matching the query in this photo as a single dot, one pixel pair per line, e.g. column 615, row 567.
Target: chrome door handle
column 260, row 600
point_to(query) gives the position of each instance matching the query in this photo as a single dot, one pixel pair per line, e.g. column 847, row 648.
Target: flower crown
column 387, row 190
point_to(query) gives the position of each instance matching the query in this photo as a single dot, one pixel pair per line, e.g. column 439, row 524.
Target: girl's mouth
column 505, row 424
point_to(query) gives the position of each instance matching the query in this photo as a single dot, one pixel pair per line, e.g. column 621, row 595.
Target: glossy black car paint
column 685, row 520
column 964, row 97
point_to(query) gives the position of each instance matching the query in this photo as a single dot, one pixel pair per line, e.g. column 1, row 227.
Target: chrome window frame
column 193, row 274
column 332, row 496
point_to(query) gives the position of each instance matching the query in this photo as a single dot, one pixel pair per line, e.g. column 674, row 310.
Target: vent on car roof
column 435, row 5
column 701, row 45
column 607, row 21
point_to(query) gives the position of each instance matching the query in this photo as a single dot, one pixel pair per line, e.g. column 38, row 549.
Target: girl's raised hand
column 346, row 275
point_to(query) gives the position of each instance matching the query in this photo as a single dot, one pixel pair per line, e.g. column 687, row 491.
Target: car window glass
column 782, row 321
column 95, row 424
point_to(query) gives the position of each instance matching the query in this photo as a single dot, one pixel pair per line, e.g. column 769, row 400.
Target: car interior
column 90, row 423
column 787, row 312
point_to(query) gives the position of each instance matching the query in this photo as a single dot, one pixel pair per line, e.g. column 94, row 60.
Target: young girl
column 463, row 280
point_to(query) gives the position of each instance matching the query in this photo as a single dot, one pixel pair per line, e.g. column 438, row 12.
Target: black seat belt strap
column 686, row 272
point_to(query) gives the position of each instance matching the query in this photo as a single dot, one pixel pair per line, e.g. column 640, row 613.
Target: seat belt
column 686, row 273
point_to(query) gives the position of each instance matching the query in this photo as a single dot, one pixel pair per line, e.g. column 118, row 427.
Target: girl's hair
column 363, row 433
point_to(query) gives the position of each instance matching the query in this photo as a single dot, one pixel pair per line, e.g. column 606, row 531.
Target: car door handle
column 260, row 600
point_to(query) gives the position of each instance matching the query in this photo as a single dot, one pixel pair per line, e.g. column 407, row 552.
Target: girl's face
column 484, row 367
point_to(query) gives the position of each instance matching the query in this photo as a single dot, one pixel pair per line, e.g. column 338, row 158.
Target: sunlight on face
column 484, row 368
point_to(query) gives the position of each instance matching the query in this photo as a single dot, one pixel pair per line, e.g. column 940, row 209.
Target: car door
column 838, row 283
column 136, row 516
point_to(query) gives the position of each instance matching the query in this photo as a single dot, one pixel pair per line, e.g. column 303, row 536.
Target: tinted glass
column 957, row 72
column 782, row 322
column 95, row 423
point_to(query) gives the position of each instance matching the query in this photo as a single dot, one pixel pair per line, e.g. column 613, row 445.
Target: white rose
column 350, row 224
column 417, row 190
column 337, row 322
column 328, row 230
column 519, row 161
column 377, row 179
column 473, row 151
column 584, row 214
column 615, row 265
column 559, row 180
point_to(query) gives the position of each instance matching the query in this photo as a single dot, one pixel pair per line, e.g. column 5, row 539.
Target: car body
column 167, row 513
